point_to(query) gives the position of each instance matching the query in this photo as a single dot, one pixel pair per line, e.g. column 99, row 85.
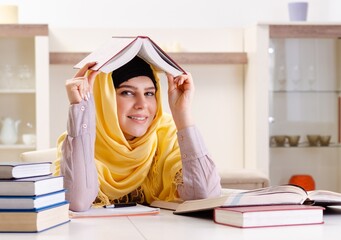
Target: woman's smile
column 138, row 118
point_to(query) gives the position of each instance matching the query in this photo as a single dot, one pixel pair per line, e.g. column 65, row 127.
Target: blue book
column 31, row 202
column 34, row 220
column 31, row 186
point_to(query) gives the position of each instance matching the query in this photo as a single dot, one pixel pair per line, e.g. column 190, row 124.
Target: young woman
column 120, row 146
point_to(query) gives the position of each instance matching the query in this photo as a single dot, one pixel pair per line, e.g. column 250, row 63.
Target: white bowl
column 29, row 139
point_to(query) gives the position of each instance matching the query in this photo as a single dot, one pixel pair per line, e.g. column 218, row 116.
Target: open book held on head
column 119, row 50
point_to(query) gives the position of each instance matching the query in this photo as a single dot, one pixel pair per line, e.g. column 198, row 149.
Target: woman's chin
column 135, row 134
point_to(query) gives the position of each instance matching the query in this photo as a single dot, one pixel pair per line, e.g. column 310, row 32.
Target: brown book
column 117, row 51
column 35, row 220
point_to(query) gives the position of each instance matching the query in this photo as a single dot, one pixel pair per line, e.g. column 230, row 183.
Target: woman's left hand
column 180, row 96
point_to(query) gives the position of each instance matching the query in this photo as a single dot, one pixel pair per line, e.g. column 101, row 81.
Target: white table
column 172, row 227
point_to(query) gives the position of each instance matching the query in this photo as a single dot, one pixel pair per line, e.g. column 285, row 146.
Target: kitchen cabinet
column 292, row 88
column 24, row 89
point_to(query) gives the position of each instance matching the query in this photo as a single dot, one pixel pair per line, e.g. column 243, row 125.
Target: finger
column 186, row 78
column 171, row 82
column 74, row 90
column 91, row 79
column 75, row 83
column 80, row 85
column 84, row 89
column 180, row 80
column 81, row 72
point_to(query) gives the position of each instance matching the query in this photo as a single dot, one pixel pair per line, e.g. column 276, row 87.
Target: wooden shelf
column 181, row 57
column 16, row 147
column 304, row 31
column 17, row 91
column 23, row 30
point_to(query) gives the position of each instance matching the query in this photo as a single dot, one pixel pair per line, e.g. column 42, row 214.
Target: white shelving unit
column 24, row 94
column 293, row 78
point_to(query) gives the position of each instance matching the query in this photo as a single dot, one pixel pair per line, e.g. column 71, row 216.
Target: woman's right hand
column 80, row 86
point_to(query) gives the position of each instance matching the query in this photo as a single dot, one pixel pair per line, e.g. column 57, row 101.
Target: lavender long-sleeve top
column 200, row 176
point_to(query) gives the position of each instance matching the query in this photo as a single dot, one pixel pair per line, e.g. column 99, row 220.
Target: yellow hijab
column 150, row 162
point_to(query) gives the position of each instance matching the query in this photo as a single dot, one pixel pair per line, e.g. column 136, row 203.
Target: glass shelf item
column 308, row 101
column 24, row 84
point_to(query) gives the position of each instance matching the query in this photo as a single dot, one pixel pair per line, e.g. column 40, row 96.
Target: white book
column 268, row 215
column 10, row 170
column 31, row 186
column 118, row 51
column 273, row 195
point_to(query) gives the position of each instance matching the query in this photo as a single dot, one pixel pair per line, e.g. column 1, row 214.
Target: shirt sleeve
column 77, row 164
column 199, row 173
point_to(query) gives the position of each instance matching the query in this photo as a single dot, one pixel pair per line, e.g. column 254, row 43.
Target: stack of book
column 31, row 199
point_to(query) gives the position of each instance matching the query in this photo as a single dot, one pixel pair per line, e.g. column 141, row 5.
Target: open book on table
column 274, row 195
column 119, row 50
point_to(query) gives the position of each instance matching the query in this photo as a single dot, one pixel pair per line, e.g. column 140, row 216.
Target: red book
column 269, row 216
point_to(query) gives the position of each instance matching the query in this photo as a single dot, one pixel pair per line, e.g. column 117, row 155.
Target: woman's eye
column 126, row 93
column 150, row 94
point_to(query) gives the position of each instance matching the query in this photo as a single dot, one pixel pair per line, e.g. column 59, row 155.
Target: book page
column 284, row 194
column 120, row 50
column 243, row 199
column 108, row 51
column 165, row 205
column 324, row 196
column 149, row 54
column 200, row 204
column 116, row 212
column 123, row 56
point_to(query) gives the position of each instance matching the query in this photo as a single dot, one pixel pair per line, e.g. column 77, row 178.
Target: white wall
column 217, row 123
column 161, row 13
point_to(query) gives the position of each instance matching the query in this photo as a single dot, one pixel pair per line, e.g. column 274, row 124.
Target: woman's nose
column 140, row 102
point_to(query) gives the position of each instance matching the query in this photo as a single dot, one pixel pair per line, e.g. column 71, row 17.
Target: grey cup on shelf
column 325, row 140
column 279, row 140
column 293, row 140
column 298, row 11
column 313, row 140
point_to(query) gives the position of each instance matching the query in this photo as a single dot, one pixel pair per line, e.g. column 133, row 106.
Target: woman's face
column 136, row 106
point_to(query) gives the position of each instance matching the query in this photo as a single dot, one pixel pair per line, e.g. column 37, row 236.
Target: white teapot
column 9, row 131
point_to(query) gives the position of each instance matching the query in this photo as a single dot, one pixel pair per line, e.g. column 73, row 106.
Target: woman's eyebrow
column 150, row 88
column 127, row 86
column 133, row 87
